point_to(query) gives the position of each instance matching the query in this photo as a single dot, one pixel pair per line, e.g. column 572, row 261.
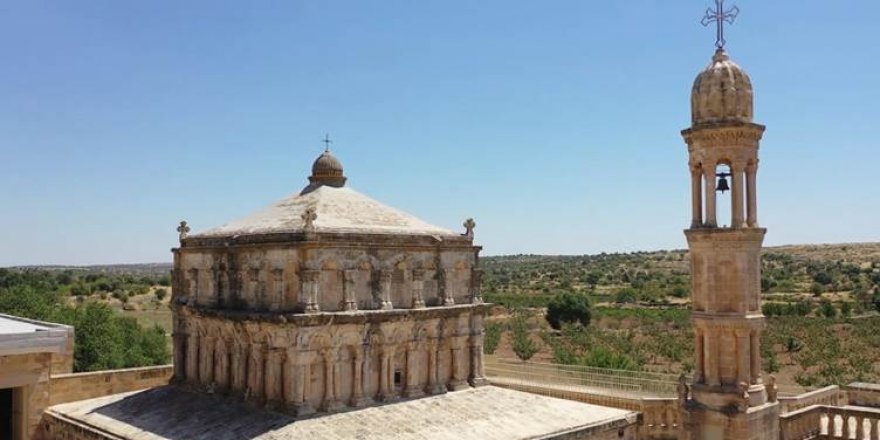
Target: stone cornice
column 319, row 240
column 723, row 133
column 321, row 319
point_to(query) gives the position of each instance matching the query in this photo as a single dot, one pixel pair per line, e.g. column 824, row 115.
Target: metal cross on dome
column 327, row 142
column 719, row 16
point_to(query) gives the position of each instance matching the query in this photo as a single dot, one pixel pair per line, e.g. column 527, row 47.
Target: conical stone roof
column 330, row 207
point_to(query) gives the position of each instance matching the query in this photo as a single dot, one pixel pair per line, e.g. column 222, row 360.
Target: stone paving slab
column 490, row 413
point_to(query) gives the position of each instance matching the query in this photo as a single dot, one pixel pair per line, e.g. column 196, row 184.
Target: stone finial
column 309, row 217
column 183, row 229
column 771, row 388
column 469, row 226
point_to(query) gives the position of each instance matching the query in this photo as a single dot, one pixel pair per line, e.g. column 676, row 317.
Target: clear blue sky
column 555, row 124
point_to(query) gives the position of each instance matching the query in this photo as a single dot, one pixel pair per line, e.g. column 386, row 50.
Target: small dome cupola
column 722, row 93
column 327, row 169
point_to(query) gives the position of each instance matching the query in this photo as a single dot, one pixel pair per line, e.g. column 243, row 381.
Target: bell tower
column 728, row 398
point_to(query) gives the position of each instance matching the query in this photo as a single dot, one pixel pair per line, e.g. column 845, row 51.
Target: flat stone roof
column 11, row 325
column 21, row 335
column 488, row 413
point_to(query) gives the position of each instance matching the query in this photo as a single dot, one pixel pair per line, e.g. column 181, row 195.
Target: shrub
column 161, row 293
column 827, row 309
column 523, row 346
column 493, row 337
column 568, row 307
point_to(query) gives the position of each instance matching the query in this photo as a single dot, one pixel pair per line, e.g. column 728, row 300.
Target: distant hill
column 140, row 269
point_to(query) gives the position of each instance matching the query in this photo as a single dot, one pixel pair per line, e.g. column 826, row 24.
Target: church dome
column 327, row 170
column 722, row 93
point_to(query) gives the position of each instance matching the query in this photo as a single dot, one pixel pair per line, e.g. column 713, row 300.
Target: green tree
column 846, row 309
column 568, row 307
column 827, row 309
column 523, row 345
column 493, row 337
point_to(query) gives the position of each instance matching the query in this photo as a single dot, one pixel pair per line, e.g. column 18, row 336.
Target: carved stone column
column 412, row 388
column 301, row 389
column 477, row 378
column 711, row 212
column 206, row 360
column 193, row 286
column 239, row 368
column 221, row 364
column 710, row 343
column 349, row 290
column 743, row 355
column 736, row 195
column 445, row 287
column 289, row 379
column 223, row 288
column 273, row 380
column 476, row 286
column 696, row 196
column 330, row 402
column 357, row 384
column 277, row 289
column 752, row 193
column 384, row 386
column 457, row 381
column 256, row 372
column 385, row 278
column 434, row 385
column 755, row 345
column 310, row 289
column 418, row 288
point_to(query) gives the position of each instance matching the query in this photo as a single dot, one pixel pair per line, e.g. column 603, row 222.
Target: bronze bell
column 722, row 182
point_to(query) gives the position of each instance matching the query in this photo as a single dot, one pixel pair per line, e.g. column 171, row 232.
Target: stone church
column 326, row 299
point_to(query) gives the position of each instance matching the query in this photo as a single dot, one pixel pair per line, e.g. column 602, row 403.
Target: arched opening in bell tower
column 724, row 195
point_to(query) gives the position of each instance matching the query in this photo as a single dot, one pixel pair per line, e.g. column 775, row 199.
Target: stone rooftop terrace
column 488, row 413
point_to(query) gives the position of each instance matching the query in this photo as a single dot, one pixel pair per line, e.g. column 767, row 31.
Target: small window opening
column 398, row 378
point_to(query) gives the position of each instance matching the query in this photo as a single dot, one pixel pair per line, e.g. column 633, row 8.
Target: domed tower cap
column 722, row 93
column 327, row 170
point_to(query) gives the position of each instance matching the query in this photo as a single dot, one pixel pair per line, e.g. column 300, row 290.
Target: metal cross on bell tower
column 719, row 16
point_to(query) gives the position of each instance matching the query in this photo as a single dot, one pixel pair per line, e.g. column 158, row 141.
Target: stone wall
column 29, row 375
column 81, row 386
column 863, row 394
column 325, row 278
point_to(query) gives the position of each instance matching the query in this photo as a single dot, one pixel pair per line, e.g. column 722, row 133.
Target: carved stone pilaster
column 357, row 392
column 412, row 386
column 445, row 287
column 475, row 285
column 193, row 287
column 349, row 290
column 477, row 378
column 384, row 297
column 277, row 297
column 331, row 372
column 221, row 364
column 457, row 381
column 434, row 386
column 310, row 289
column 418, row 288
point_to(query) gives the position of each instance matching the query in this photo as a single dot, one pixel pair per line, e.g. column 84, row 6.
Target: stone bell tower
column 728, row 398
